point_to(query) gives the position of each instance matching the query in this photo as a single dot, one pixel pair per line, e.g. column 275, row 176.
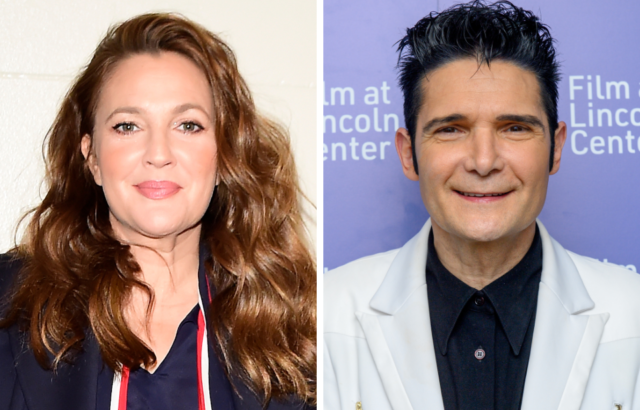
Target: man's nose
column 484, row 152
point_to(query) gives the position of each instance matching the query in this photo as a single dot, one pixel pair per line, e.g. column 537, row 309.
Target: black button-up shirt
column 483, row 338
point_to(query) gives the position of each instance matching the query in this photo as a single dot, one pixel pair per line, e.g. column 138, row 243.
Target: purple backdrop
column 592, row 203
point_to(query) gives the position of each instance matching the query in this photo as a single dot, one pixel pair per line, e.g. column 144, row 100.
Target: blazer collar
column 560, row 274
column 406, row 274
column 564, row 345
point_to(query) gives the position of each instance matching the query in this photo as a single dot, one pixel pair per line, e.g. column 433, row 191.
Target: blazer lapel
column 400, row 337
column 564, row 342
column 402, row 349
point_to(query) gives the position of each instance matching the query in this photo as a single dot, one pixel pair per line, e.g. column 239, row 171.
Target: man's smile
column 482, row 195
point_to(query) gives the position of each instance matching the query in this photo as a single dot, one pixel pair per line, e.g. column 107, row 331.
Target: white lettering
column 376, row 126
column 395, row 122
column 597, row 142
column 342, row 127
column 573, row 142
column 384, row 89
column 617, row 84
column 333, row 150
column 620, row 123
column 353, row 144
column 343, row 92
column 331, row 119
column 574, row 123
column 372, row 97
column 573, row 86
column 367, row 123
column 387, row 143
column 609, row 119
column 598, row 91
column 615, row 138
column 368, row 147
column 633, row 116
column 630, row 138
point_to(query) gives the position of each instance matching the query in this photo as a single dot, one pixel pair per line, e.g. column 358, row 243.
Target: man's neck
column 479, row 263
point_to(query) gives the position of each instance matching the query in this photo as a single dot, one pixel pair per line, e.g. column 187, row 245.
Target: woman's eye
column 190, row 127
column 126, row 127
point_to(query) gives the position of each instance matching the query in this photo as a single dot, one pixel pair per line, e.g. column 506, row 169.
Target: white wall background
column 44, row 43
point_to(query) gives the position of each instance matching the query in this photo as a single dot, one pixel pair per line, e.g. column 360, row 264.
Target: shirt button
column 479, row 301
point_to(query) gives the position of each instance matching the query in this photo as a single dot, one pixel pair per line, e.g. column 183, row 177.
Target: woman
column 166, row 266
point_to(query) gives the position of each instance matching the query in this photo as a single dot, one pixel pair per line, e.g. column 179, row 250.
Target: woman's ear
column 90, row 158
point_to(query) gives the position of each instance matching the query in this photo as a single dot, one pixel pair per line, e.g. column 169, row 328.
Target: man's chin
column 473, row 231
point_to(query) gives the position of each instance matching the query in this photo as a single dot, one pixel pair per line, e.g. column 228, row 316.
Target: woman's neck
column 169, row 266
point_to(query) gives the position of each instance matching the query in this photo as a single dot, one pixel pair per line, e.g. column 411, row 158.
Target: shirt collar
column 513, row 296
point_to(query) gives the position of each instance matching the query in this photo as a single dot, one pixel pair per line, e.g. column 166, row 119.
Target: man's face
column 482, row 145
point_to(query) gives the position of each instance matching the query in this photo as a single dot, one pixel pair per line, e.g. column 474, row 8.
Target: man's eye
column 448, row 130
column 125, row 127
column 516, row 128
column 189, row 127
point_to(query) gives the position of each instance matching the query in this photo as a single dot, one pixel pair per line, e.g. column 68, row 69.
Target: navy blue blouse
column 174, row 384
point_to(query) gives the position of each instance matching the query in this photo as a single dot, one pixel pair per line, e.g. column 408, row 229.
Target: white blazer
column 379, row 350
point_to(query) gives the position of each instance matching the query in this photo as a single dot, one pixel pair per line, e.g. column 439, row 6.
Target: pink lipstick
column 158, row 189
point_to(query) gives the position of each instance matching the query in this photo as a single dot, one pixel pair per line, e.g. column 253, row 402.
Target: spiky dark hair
column 498, row 31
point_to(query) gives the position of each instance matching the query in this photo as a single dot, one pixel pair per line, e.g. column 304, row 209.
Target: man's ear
column 405, row 152
column 90, row 158
column 560, row 138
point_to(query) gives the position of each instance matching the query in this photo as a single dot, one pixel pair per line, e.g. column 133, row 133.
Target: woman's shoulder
column 10, row 265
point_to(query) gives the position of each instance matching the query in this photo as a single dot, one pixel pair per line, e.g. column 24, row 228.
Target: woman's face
column 153, row 149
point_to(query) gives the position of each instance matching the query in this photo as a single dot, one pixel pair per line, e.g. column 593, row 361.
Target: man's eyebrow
column 441, row 121
column 526, row 119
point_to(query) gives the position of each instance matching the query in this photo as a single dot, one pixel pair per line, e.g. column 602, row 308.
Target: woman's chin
column 146, row 231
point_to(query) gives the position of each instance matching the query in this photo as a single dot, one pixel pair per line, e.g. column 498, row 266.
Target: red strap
column 200, row 341
column 124, row 384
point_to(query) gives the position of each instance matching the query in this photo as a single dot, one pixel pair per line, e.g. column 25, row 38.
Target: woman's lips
column 158, row 189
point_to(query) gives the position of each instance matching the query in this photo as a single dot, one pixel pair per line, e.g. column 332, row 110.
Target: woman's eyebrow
column 177, row 110
column 190, row 106
column 125, row 110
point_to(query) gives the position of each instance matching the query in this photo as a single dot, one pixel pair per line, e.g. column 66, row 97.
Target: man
column 482, row 309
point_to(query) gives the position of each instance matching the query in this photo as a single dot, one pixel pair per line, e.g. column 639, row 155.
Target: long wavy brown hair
column 77, row 275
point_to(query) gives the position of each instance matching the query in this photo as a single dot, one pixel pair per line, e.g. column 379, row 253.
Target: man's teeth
column 480, row 195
